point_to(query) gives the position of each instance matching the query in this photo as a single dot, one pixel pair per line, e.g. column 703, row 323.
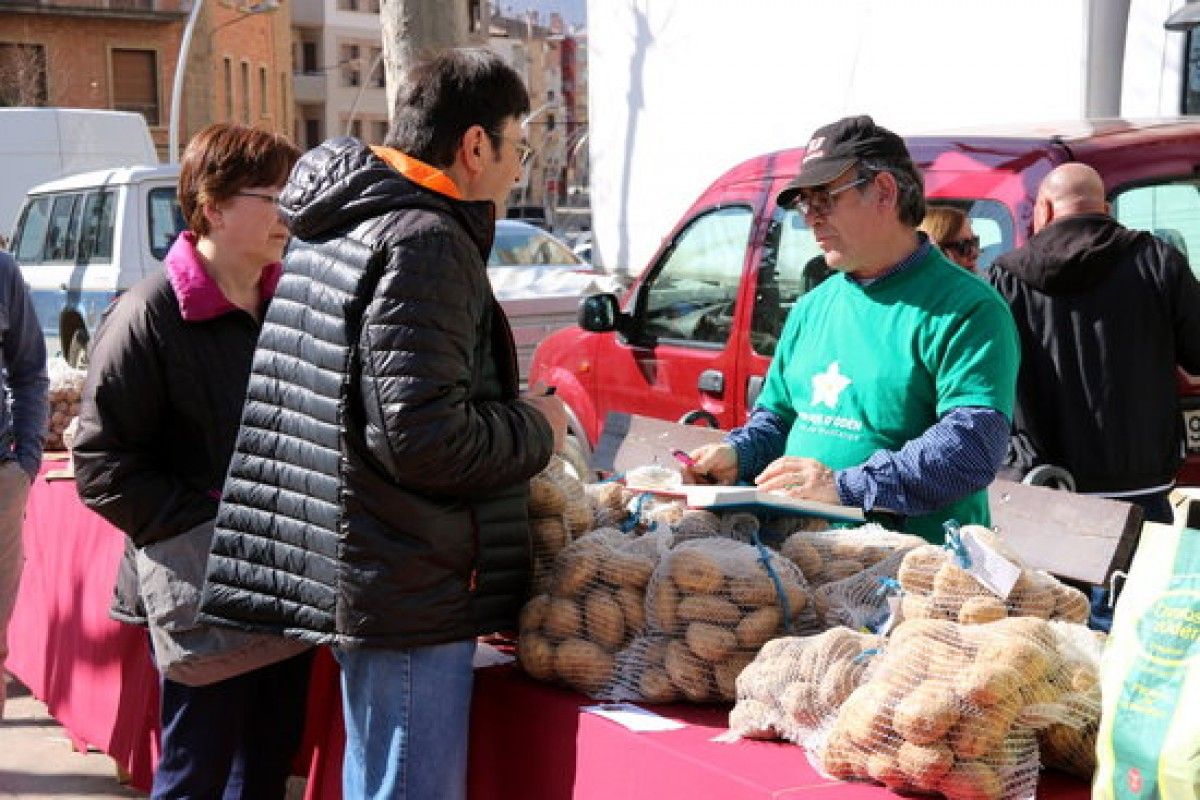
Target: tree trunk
column 415, row 27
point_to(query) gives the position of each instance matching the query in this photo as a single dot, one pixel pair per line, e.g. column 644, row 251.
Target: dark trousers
column 1155, row 508
column 234, row 739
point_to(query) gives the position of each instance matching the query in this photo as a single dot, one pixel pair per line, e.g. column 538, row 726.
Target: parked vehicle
column 41, row 144
column 695, row 334
column 82, row 240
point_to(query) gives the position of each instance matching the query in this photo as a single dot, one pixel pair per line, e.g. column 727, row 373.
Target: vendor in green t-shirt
column 892, row 384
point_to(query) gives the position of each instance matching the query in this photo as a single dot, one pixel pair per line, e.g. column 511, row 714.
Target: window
column 694, row 291
column 22, row 74
column 228, row 84
column 263, row 108
column 96, row 236
column 377, row 75
column 792, row 264
column 308, row 57
column 135, row 83
column 355, row 128
column 351, row 65
column 348, row 5
column 165, row 220
column 246, row 92
column 992, row 223
column 1190, row 103
column 312, row 133
column 1170, row 211
column 31, row 231
column 475, row 15
column 379, row 130
column 63, row 237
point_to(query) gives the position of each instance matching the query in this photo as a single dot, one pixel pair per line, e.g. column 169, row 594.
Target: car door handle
column 711, row 381
column 700, row 415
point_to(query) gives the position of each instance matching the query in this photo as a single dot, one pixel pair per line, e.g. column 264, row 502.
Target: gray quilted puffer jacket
column 377, row 494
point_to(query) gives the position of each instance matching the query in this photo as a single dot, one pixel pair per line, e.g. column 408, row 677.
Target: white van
column 81, row 241
column 41, row 144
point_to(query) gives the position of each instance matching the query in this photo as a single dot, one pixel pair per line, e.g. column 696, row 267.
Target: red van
column 694, row 335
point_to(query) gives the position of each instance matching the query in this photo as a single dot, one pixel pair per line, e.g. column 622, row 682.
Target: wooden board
column 1070, row 535
column 630, row 440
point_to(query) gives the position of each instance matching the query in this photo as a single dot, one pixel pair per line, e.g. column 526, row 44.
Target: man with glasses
column 892, row 384
column 377, row 498
column 1105, row 314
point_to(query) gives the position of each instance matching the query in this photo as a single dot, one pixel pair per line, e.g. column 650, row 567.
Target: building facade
column 121, row 54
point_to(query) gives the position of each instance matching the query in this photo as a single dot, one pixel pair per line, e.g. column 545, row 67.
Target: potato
column 579, row 515
column 576, row 569
column 804, row 554
column 710, row 642
column 799, row 702
column 919, row 566
column 633, row 609
column 952, row 585
column 1071, row 605
column 696, row 524
column 838, row 682
column 563, row 620
column 971, row 780
column 663, row 601
column 583, row 664
column 691, row 675
column 696, row 572
column 536, row 654
column 725, row 673
column 549, row 534
column 843, row 760
column 610, row 496
column 986, row 684
column 866, row 715
column 883, row 767
column 917, row 606
column 1026, row 656
column 655, row 686
column 708, row 608
column 924, row 765
column 1035, row 594
column 533, row 615
column 605, row 620
column 749, row 718
column 627, row 569
column 927, row 713
column 981, row 609
column 979, row 732
column 753, row 588
column 840, row 569
column 759, row 626
column 546, row 499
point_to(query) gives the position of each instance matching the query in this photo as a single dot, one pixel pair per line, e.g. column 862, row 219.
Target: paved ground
column 37, row 761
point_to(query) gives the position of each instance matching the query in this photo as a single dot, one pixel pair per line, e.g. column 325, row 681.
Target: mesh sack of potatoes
column 711, row 604
column 796, row 682
column 593, row 606
column 66, row 388
column 834, row 555
column 951, row 709
column 559, row 511
column 610, row 503
column 1068, row 717
column 936, row 586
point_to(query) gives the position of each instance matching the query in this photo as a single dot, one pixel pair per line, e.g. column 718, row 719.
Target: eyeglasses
column 273, row 199
column 821, row 201
column 524, row 151
column 964, row 247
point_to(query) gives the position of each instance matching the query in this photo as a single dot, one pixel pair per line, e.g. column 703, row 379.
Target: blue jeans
column 407, row 718
column 1156, row 507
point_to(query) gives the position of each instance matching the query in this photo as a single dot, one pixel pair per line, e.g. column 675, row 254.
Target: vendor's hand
column 802, row 478
column 715, row 463
column 552, row 408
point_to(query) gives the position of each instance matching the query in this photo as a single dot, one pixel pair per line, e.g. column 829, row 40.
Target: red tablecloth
column 528, row 740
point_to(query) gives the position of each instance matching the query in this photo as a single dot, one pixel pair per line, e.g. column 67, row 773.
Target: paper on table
column 990, row 568
column 488, row 656
column 635, row 718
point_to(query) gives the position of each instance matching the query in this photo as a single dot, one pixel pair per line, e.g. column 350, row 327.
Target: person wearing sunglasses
column 892, row 384
column 950, row 229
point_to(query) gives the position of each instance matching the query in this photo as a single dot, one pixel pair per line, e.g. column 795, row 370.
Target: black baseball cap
column 837, row 147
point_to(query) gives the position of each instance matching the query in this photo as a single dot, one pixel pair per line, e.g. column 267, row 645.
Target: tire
column 77, row 355
column 577, row 462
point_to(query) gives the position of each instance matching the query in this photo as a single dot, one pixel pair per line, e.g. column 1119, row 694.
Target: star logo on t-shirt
column 827, row 386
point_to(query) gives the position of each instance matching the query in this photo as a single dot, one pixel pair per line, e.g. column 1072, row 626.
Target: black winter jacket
column 377, row 495
column 159, row 418
column 1105, row 314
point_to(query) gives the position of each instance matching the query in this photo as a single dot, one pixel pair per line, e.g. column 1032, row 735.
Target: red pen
column 690, row 463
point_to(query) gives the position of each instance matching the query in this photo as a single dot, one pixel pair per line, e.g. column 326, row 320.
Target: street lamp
column 260, row 7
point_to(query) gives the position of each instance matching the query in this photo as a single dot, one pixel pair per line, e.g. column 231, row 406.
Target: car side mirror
column 599, row 313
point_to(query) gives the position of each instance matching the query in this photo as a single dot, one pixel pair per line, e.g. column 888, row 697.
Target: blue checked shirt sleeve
column 757, row 443
column 957, row 455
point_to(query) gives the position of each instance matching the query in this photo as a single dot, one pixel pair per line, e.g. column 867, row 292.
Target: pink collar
column 199, row 296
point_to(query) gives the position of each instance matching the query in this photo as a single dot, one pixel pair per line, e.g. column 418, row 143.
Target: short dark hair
column 910, row 186
column 222, row 160
column 444, row 95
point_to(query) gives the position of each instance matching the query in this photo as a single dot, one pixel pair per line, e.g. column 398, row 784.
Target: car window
column 693, row 294
column 165, row 220
column 62, row 238
column 992, row 222
column 1170, row 211
column 96, row 236
column 525, row 247
column 30, row 239
column 792, row 264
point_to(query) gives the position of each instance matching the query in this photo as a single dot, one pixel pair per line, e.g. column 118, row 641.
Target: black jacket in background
column 158, row 418
column 377, row 495
column 1105, row 314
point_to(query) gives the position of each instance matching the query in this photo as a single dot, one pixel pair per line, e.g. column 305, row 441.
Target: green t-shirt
column 863, row 368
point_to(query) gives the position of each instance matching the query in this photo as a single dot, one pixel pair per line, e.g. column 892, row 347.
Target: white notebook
column 725, row 498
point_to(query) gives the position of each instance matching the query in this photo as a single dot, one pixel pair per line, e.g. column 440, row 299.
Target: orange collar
column 419, row 172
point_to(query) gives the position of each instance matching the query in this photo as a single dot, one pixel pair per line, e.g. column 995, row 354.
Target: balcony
column 164, row 10
column 308, row 13
column 310, row 87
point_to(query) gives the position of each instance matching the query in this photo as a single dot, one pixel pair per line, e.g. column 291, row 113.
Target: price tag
column 988, row 567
